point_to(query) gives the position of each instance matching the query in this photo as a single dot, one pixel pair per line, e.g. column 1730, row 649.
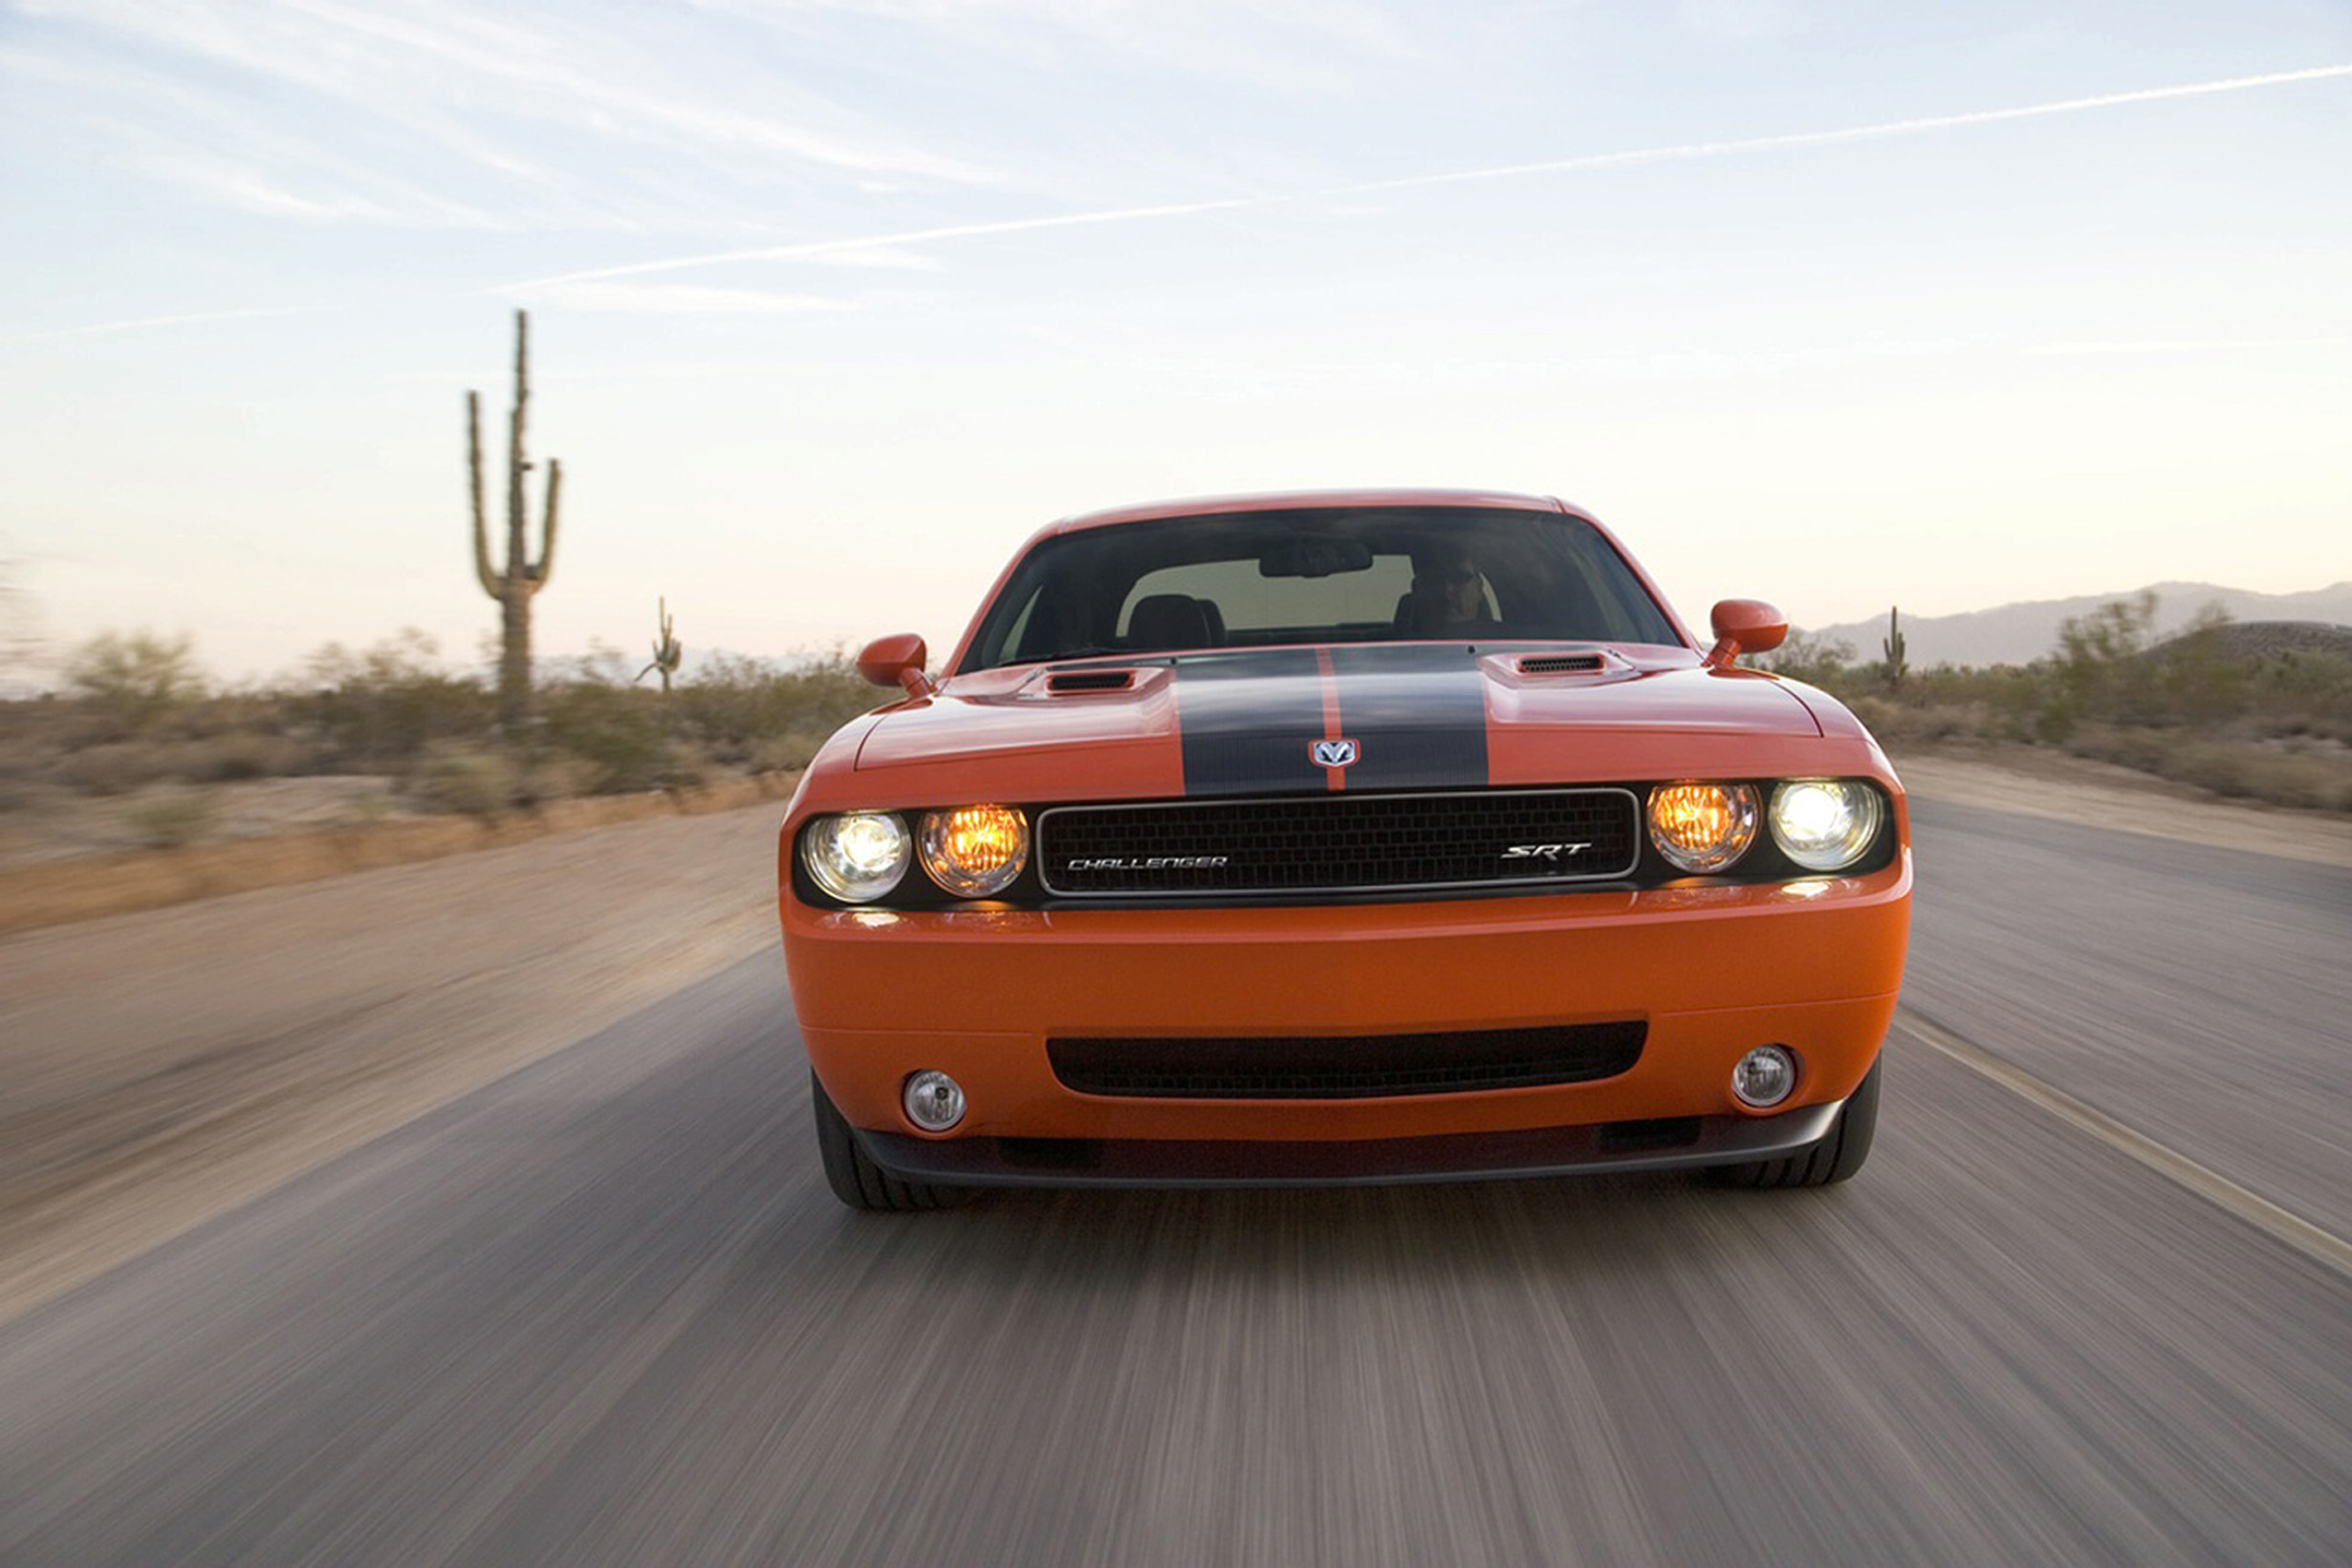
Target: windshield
column 1317, row 575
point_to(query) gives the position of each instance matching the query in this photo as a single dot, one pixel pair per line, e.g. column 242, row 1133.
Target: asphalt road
column 604, row 1310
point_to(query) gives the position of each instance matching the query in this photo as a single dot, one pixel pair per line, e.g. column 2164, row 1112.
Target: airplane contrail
column 1684, row 152
column 910, row 236
column 1853, row 133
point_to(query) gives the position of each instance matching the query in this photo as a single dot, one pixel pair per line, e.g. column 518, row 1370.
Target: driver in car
column 1449, row 595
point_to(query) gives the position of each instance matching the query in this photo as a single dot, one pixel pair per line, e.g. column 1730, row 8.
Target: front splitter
column 1673, row 1145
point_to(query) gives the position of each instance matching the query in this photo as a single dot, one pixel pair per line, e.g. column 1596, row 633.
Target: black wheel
column 857, row 1181
column 1834, row 1158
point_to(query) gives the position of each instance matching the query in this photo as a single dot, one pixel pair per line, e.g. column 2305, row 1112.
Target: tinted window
column 1317, row 575
column 1248, row 601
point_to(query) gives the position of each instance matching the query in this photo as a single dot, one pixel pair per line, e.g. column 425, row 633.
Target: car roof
column 1295, row 500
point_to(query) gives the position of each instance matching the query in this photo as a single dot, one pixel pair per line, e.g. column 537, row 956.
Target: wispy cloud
column 192, row 318
column 248, row 189
column 816, row 249
column 1682, row 152
column 1733, row 21
column 681, row 300
column 884, row 258
column 1314, row 49
column 593, row 99
column 551, row 119
column 225, row 150
column 2187, row 345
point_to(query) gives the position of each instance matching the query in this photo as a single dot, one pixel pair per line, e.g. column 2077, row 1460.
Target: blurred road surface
column 604, row 1311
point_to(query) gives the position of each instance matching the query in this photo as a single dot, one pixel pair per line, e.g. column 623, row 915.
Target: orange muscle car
column 1337, row 838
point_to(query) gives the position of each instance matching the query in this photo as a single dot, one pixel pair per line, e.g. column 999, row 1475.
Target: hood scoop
column 1563, row 663
column 1091, row 679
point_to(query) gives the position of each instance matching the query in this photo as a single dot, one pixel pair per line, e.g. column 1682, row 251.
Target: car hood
column 1399, row 716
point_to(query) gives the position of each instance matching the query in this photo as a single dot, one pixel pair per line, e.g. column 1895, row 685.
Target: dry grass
column 2280, row 773
column 138, row 728
column 172, row 818
column 2258, row 712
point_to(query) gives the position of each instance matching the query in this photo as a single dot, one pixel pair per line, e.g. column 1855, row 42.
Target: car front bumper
column 1713, row 972
column 1620, row 1146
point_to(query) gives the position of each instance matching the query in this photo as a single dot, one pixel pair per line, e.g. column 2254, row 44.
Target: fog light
column 935, row 1102
column 1764, row 1076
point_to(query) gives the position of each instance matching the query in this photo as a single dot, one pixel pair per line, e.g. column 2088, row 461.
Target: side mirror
column 897, row 662
column 1744, row 626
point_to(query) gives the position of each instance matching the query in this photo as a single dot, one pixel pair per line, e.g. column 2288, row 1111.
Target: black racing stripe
column 1417, row 713
column 1246, row 720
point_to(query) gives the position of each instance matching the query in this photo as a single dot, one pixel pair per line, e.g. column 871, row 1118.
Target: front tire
column 1836, row 1158
column 857, row 1181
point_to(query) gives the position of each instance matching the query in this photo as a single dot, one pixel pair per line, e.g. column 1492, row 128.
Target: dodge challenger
column 1349, row 836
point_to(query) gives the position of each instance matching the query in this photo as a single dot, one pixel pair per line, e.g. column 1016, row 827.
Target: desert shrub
column 386, row 704
column 33, row 736
column 2137, row 747
column 740, row 711
column 782, row 753
column 2099, row 673
column 241, row 755
column 172, row 819
column 2253, row 771
column 2197, row 678
column 1825, row 663
column 2302, row 691
column 22, row 794
column 129, row 680
column 622, row 735
column 556, row 775
column 118, row 767
column 1932, row 723
column 464, row 780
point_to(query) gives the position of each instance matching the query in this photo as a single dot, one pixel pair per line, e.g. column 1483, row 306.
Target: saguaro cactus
column 667, row 650
column 1892, row 643
column 514, row 585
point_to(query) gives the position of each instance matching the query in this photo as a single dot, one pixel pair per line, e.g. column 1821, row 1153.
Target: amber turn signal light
column 1703, row 827
column 974, row 852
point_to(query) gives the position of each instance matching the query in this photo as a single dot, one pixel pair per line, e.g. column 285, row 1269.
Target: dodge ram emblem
column 1332, row 753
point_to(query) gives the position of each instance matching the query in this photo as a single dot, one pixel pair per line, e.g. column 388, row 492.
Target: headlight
column 976, row 851
column 1826, row 824
column 1702, row 827
column 857, row 857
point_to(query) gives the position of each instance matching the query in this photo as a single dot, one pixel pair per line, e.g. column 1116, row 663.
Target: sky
column 833, row 302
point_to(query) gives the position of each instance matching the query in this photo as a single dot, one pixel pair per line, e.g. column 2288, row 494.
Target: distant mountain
column 2016, row 634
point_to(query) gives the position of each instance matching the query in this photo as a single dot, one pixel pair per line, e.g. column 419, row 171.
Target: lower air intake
column 1346, row 1067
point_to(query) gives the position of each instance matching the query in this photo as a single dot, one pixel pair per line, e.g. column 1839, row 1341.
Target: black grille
column 1561, row 663
column 1338, row 844
column 1346, row 1067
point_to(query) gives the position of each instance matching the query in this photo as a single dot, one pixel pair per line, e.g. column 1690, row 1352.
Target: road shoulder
column 165, row 1066
column 2094, row 794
